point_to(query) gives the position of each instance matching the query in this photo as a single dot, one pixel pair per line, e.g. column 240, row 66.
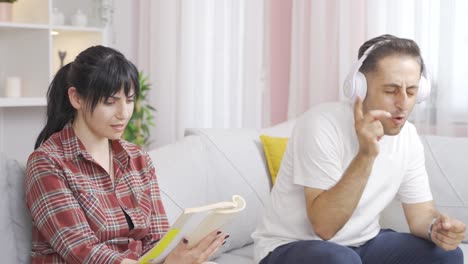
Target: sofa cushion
column 446, row 166
column 274, row 148
column 196, row 171
column 15, row 220
column 237, row 256
column 173, row 165
column 7, row 249
column 237, row 165
column 242, row 150
column 280, row 130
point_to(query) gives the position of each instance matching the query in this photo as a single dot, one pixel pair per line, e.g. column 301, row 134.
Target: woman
column 94, row 197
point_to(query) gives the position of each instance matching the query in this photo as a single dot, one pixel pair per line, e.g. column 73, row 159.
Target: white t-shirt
column 322, row 145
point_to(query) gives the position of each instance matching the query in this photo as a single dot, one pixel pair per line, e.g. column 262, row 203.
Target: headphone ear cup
column 424, row 89
column 355, row 85
column 348, row 87
column 360, row 84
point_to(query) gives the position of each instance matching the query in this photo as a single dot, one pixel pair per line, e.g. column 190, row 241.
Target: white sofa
column 209, row 165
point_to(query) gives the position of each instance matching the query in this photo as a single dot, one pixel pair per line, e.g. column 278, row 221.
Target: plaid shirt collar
column 74, row 149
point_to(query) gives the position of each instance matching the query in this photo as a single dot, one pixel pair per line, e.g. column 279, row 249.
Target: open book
column 194, row 224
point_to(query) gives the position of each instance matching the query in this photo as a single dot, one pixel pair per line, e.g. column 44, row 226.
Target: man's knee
column 316, row 252
column 329, row 253
column 342, row 256
column 450, row 257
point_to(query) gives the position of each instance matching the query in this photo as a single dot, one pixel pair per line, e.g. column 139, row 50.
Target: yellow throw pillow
column 274, row 148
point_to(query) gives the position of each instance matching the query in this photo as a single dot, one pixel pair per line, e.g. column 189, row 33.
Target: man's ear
column 75, row 99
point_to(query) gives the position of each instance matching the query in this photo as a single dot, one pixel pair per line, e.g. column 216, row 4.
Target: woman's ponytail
column 59, row 109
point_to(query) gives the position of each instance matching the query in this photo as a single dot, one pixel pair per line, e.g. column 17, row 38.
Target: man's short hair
column 387, row 45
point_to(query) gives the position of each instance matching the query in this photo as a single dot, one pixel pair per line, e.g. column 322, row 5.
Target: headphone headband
column 355, row 83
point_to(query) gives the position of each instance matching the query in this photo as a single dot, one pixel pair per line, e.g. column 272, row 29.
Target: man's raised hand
column 369, row 129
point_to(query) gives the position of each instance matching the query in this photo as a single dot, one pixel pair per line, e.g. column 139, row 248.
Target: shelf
column 13, row 25
column 91, row 8
column 79, row 29
column 22, row 101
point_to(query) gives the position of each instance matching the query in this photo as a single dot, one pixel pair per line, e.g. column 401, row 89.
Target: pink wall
column 280, row 58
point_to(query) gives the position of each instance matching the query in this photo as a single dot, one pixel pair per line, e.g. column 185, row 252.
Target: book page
column 194, row 224
column 213, row 221
column 237, row 204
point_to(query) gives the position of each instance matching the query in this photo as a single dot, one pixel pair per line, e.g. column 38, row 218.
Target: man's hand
column 199, row 253
column 369, row 129
column 448, row 233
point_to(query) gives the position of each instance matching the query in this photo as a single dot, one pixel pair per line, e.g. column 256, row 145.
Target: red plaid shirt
column 78, row 214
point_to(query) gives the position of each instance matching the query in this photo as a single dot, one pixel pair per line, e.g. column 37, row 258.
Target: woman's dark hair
column 387, row 45
column 97, row 73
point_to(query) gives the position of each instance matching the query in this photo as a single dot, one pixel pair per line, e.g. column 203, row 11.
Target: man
column 345, row 163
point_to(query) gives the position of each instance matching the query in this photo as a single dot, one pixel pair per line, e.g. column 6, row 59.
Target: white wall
column 123, row 34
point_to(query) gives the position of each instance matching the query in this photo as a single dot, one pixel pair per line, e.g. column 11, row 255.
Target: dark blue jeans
column 388, row 247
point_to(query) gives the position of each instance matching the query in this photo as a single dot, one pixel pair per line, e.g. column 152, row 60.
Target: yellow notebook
column 194, row 224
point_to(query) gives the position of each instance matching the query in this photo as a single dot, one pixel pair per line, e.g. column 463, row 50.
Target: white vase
column 57, row 17
column 6, row 10
column 79, row 19
column 13, row 87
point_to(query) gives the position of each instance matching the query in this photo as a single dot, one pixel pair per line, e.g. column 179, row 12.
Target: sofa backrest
column 15, row 220
column 209, row 166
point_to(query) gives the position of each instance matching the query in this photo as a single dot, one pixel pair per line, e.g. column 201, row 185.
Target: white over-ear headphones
column 355, row 83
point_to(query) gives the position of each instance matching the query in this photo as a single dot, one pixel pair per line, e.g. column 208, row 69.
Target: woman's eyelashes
column 113, row 100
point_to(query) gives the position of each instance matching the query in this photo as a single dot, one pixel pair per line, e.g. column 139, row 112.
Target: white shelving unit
column 22, row 102
column 29, row 49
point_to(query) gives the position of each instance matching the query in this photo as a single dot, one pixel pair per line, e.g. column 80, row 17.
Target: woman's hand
column 199, row 253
